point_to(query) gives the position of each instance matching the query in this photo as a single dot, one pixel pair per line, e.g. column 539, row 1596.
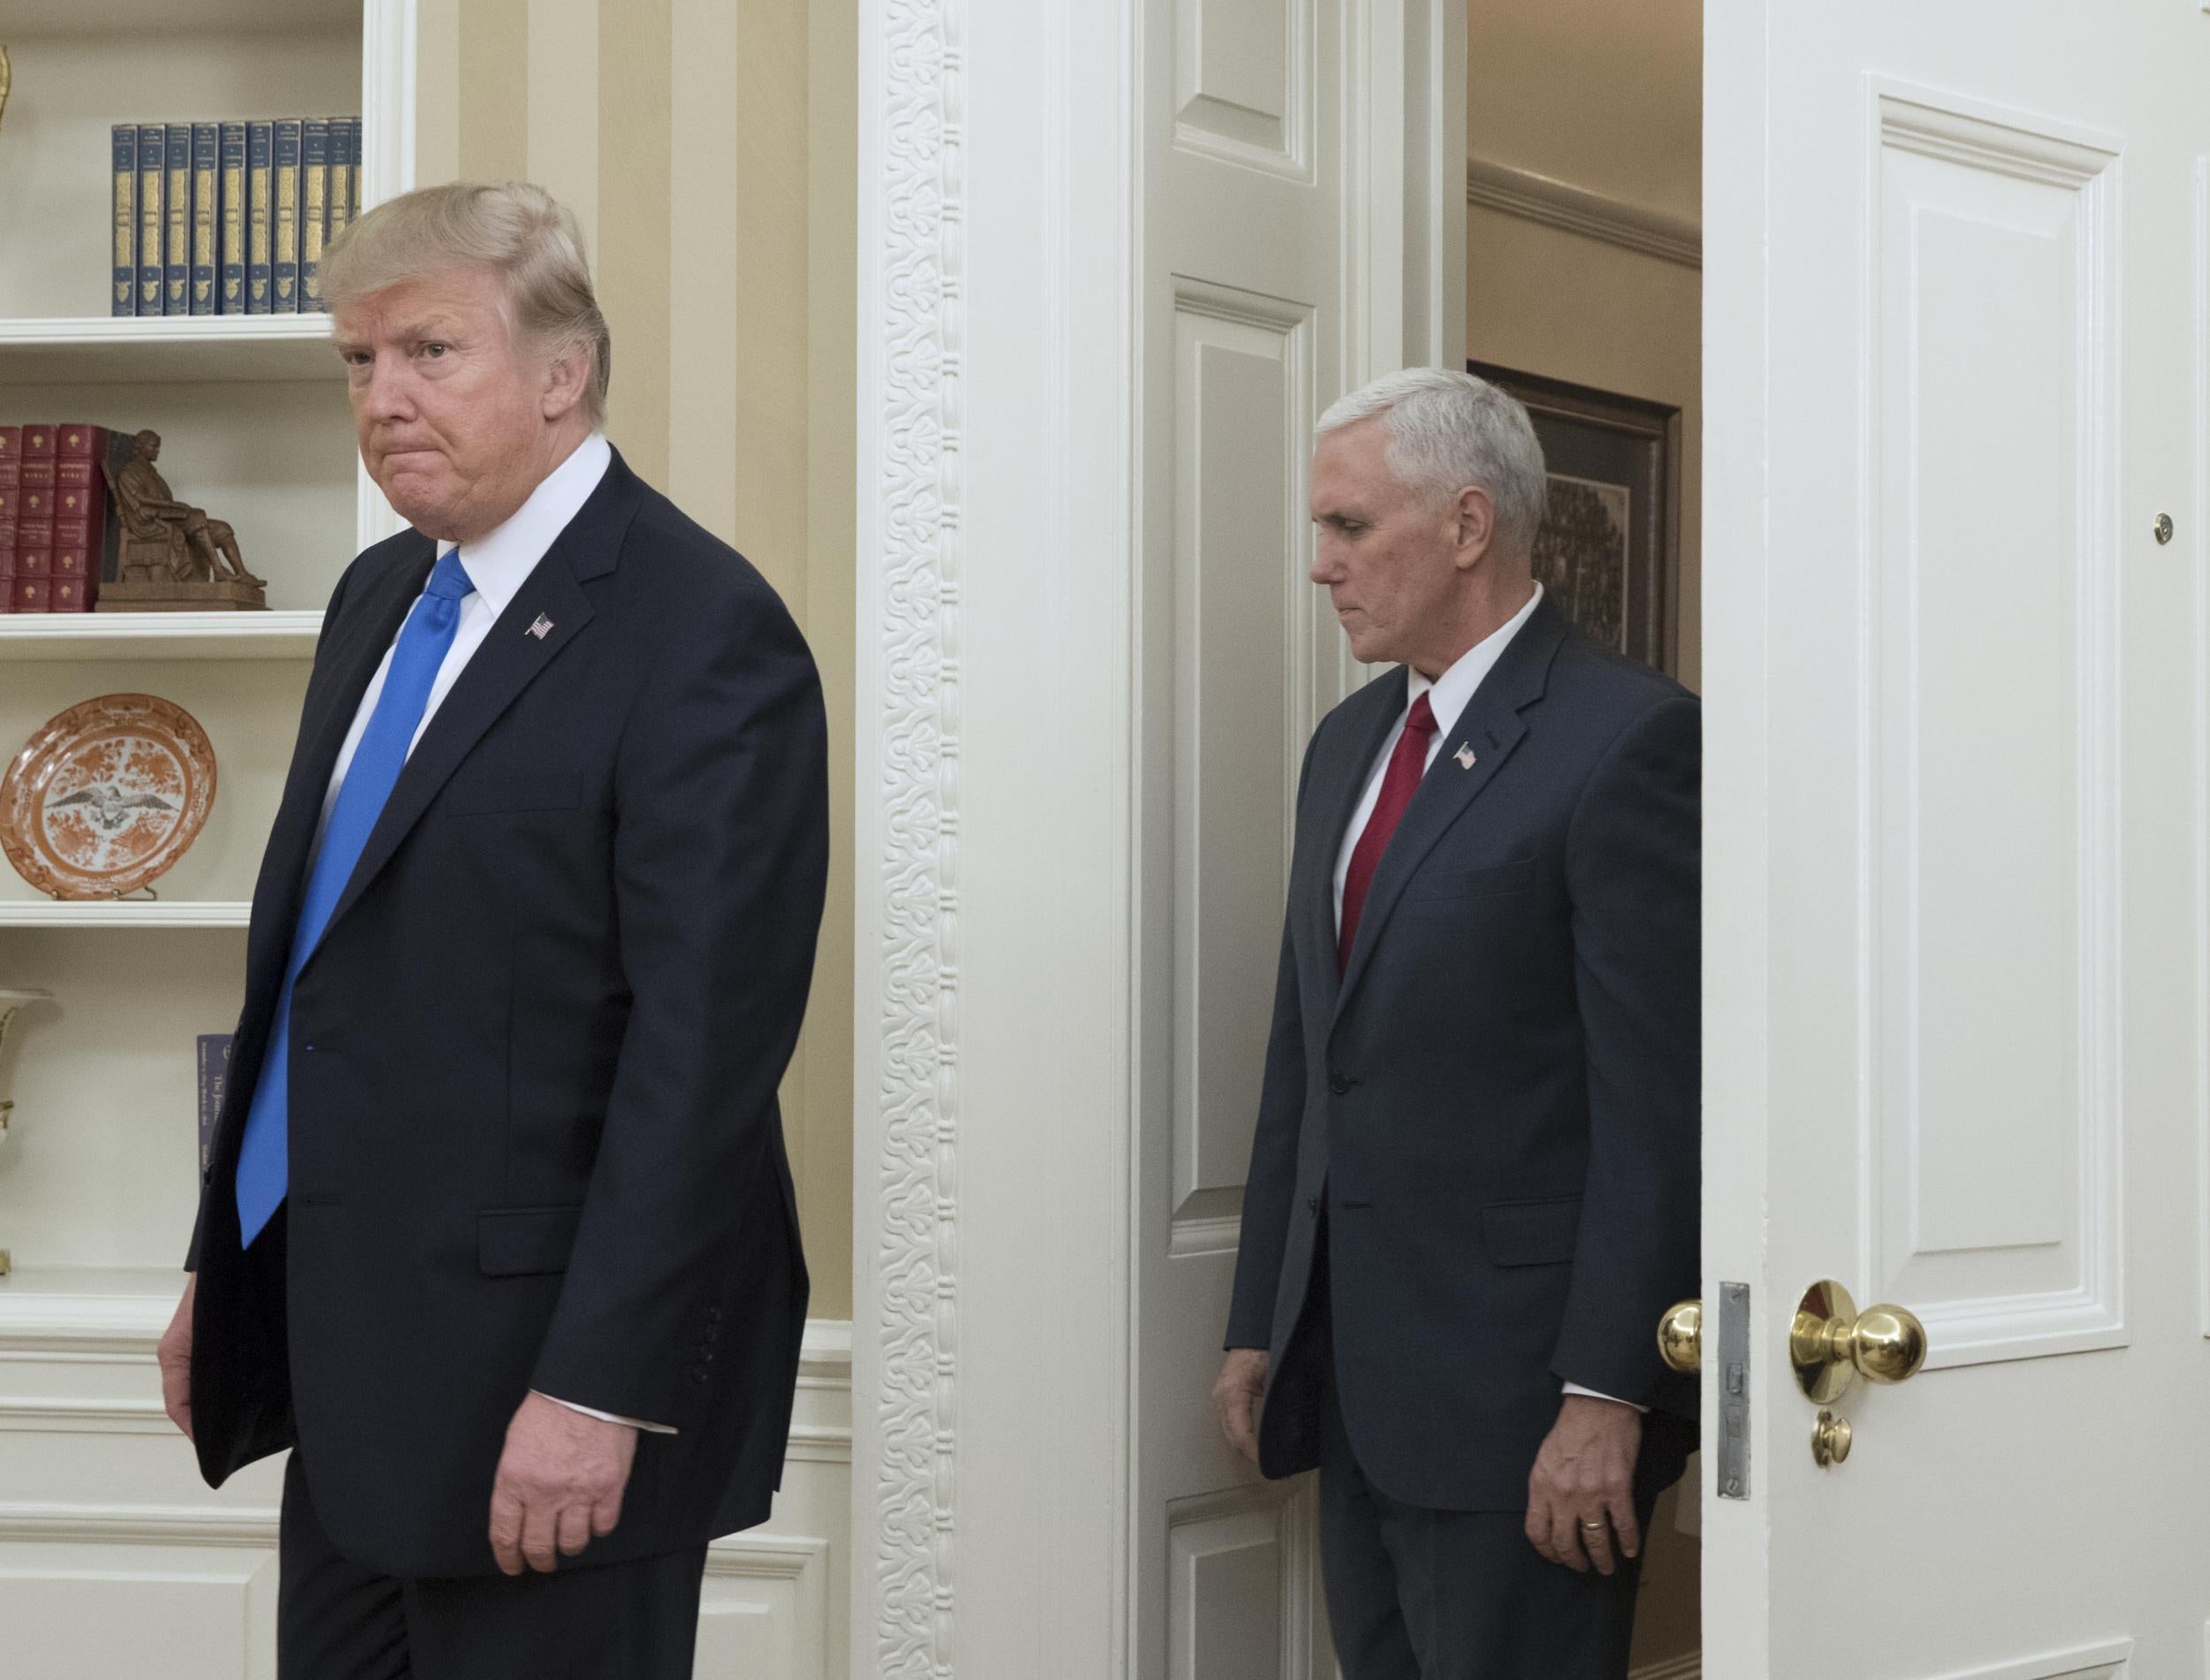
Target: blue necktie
column 423, row 643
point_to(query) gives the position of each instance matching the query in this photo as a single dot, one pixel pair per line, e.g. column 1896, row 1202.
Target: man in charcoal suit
column 1473, row 1188
column 498, row 1233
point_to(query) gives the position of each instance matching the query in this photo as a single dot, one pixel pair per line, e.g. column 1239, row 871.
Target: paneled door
column 1956, row 661
column 1294, row 229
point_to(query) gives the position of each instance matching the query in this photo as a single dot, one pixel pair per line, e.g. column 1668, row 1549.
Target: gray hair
column 512, row 229
column 1449, row 431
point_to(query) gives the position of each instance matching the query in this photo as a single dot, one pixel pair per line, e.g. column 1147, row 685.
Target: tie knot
column 449, row 580
column 1421, row 719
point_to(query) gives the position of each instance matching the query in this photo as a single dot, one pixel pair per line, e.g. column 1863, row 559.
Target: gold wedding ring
column 1598, row 1527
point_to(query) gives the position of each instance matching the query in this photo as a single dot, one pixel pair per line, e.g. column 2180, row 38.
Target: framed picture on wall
column 1609, row 551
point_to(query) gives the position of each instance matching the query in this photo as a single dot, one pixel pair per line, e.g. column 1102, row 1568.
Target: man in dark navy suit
column 1474, row 1184
column 499, row 1232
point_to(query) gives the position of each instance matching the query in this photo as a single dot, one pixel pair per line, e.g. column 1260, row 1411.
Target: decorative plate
column 107, row 796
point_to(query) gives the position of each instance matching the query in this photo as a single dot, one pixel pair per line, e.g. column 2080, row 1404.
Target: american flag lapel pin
column 540, row 629
column 1465, row 756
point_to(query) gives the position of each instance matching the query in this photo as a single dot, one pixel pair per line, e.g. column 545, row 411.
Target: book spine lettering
column 34, row 523
column 285, row 237
column 176, row 215
column 206, row 208
column 231, row 263
column 152, row 140
column 343, row 141
column 314, row 209
column 214, row 1074
column 80, row 516
column 123, row 296
column 353, row 169
column 260, row 277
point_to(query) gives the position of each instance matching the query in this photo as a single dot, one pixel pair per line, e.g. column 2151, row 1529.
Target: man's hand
column 1237, row 1395
column 173, row 1354
column 1584, row 1474
column 559, row 1483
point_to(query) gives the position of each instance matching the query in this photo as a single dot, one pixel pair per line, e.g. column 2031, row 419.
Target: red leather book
column 80, row 515
column 34, row 520
column 10, row 493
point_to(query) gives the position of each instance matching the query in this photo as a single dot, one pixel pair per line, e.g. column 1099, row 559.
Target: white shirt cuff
column 607, row 1416
column 1571, row 1388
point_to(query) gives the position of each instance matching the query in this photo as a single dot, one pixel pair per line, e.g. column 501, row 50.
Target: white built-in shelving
column 97, row 1174
column 206, row 349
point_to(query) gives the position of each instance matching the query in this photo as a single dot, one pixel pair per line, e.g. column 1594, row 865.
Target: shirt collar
column 1448, row 694
column 499, row 562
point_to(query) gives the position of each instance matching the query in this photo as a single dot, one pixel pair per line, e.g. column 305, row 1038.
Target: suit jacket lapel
column 1489, row 730
column 357, row 644
column 1340, row 779
column 508, row 661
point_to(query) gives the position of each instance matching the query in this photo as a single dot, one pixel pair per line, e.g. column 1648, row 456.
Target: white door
column 1957, row 1030
column 1300, row 219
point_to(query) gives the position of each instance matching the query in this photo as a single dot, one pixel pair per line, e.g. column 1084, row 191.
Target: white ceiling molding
column 1531, row 197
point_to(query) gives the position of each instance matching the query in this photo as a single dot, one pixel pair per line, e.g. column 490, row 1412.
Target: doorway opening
column 1584, row 296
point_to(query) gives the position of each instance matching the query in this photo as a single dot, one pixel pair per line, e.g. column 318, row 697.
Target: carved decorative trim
column 905, row 1498
column 1560, row 204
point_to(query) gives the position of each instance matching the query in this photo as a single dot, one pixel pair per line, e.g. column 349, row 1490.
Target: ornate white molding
column 1560, row 204
column 911, row 332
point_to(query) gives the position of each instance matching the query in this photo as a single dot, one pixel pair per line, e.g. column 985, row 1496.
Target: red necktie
column 1406, row 764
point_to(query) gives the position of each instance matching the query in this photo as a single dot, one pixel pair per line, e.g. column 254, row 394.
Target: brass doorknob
column 1680, row 1337
column 1831, row 1344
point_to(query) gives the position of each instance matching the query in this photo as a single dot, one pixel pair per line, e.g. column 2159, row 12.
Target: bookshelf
column 98, row 1168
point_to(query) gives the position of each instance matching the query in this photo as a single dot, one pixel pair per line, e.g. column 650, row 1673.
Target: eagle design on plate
column 106, row 797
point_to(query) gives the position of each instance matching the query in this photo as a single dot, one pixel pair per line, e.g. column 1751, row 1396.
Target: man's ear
column 1477, row 511
column 566, row 371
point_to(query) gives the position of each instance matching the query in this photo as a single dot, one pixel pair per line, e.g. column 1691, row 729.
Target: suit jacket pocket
column 1531, row 1233
column 475, row 795
column 514, row 1242
column 1497, row 879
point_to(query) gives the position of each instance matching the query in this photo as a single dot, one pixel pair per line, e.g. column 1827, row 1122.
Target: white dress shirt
column 498, row 563
column 1447, row 695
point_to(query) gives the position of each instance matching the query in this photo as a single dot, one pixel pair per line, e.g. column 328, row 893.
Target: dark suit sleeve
column 322, row 636
column 1269, row 1192
column 720, row 861
column 1634, row 869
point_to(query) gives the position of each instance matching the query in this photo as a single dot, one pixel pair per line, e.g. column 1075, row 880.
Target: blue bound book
column 176, row 221
column 123, row 294
column 152, row 143
column 344, row 158
column 231, row 260
column 285, row 235
column 214, row 1071
column 353, row 169
column 260, row 199
column 314, row 209
column 206, row 208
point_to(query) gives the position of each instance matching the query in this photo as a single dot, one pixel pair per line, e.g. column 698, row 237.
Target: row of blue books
column 230, row 218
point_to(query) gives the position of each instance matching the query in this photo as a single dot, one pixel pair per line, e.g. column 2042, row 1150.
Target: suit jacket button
column 1312, row 1205
column 1341, row 1084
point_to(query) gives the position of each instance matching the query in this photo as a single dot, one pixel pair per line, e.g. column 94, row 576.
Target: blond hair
column 512, row 229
